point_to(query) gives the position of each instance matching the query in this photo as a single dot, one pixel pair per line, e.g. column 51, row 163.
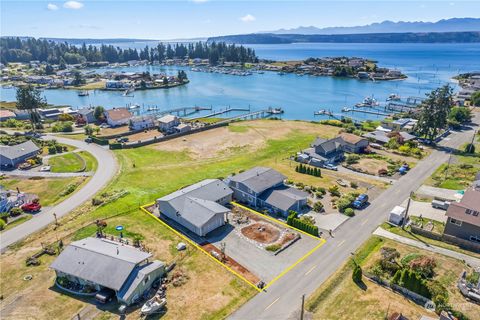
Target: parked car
column 360, row 201
column 33, row 206
column 105, row 295
column 88, row 140
column 45, row 168
column 440, row 204
column 24, row 166
column 122, row 139
column 104, row 125
column 403, row 169
column 330, row 166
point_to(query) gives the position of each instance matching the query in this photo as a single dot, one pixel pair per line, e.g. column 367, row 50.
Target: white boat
column 322, row 112
column 368, row 102
column 83, row 93
column 135, row 106
column 152, row 108
column 128, row 92
column 153, row 305
column 394, row 97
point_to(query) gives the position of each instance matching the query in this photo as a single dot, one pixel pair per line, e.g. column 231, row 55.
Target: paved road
column 475, row 262
column 283, row 299
column 107, row 168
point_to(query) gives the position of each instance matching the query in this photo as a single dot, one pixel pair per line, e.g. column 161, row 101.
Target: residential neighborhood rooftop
column 259, row 179
column 19, row 150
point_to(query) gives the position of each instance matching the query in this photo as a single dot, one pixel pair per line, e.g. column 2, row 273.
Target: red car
column 31, row 207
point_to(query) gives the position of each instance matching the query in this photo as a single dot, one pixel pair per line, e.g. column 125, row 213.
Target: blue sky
column 201, row 18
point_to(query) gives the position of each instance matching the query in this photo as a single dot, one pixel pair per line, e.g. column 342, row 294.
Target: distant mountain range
column 446, row 25
column 409, row 37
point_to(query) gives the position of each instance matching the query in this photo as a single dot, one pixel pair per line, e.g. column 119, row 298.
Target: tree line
column 14, row 49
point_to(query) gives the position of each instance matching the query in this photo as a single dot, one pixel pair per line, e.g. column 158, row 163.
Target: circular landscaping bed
column 261, row 232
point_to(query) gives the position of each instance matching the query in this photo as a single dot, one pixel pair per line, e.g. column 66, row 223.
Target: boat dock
column 373, row 111
column 219, row 112
column 184, row 111
column 260, row 114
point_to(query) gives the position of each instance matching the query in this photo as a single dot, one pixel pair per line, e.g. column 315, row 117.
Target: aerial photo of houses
column 245, row 160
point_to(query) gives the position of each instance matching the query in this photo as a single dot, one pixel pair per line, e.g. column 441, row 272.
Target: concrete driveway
column 107, row 168
column 425, row 209
column 433, row 192
column 329, row 221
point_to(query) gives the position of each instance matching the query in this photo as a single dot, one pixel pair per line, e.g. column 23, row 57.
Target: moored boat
column 153, row 305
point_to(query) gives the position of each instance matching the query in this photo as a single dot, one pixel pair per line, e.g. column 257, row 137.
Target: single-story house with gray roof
column 382, row 137
column 283, row 199
column 200, row 208
column 100, row 263
column 12, row 156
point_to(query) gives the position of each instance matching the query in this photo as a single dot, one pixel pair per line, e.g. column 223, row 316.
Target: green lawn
column 91, row 162
column 457, row 176
column 69, row 162
column 47, row 189
column 20, row 220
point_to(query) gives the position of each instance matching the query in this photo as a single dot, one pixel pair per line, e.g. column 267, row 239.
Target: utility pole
column 303, row 306
column 406, row 211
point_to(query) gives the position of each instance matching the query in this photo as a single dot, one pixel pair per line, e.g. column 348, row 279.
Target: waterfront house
column 464, row 216
column 353, row 143
column 6, row 114
column 101, row 264
column 117, row 116
column 264, row 188
column 383, row 137
column 12, row 156
column 168, row 122
column 117, row 85
column 404, row 124
column 54, row 113
column 87, row 115
column 325, row 151
column 183, row 127
column 142, row 122
column 200, row 208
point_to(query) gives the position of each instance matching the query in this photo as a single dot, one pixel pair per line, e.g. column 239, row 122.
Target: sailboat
column 129, row 92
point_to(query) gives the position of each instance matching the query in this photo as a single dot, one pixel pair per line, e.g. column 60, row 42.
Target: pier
column 184, row 111
column 260, row 114
column 219, row 112
column 373, row 111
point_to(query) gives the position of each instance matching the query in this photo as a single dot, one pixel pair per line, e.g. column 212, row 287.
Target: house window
column 146, row 279
column 456, row 222
column 475, row 238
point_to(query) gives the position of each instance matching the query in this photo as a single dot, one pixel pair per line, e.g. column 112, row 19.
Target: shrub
column 273, row 247
column 322, row 190
column 382, row 172
column 52, row 150
column 357, row 274
column 2, row 224
column 352, row 158
column 409, row 257
column 470, row 148
column 354, row 185
column 293, row 221
column 65, row 117
column 4, row 216
column 424, row 266
column 70, row 188
column 349, row 212
column 334, row 191
column 15, row 212
column 318, row 207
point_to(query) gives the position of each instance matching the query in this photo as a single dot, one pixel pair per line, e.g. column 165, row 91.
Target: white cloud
column 75, row 5
column 248, row 18
column 52, row 7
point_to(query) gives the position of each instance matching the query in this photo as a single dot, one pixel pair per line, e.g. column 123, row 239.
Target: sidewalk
column 475, row 262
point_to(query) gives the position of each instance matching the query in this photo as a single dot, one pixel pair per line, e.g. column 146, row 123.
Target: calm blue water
column 427, row 66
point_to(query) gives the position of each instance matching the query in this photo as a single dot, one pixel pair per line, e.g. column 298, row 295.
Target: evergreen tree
column 29, row 99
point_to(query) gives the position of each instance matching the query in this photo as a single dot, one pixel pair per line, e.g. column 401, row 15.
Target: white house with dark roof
column 12, row 156
column 200, row 208
column 264, row 187
column 168, row 122
column 100, row 263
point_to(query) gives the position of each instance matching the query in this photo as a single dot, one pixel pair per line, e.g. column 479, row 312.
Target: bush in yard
column 345, row 201
column 354, row 185
column 273, row 247
column 52, row 150
column 322, row 190
column 470, row 148
column 349, row 212
column 352, row 158
column 424, row 266
column 2, row 224
column 382, row 172
column 318, row 207
column 334, row 191
column 357, row 274
column 4, row 217
column 15, row 212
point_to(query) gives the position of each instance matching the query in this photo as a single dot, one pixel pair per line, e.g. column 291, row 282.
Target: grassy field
column 69, row 162
column 340, row 298
column 91, row 162
column 47, row 189
column 151, row 172
column 18, row 221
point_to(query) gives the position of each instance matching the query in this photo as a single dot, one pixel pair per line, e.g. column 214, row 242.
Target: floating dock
column 219, row 112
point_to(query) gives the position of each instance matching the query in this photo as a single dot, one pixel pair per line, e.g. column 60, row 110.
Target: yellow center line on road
column 306, row 273
column 343, row 241
column 271, row 304
column 364, row 221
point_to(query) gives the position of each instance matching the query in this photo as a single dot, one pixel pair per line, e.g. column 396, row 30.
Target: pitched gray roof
column 259, row 179
column 327, row 146
column 19, row 150
column 136, row 277
column 382, row 136
column 100, row 261
column 283, row 197
column 197, row 203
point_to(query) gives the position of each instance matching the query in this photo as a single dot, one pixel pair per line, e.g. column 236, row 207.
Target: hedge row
column 293, row 221
column 99, row 141
column 301, row 168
